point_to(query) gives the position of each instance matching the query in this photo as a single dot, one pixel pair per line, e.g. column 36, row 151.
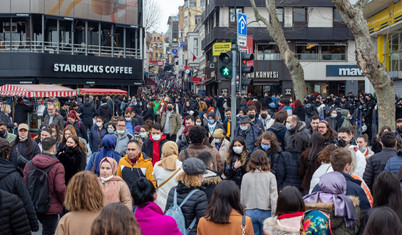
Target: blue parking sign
column 241, row 29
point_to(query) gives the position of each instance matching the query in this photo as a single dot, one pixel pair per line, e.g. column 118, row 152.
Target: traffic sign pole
column 233, row 97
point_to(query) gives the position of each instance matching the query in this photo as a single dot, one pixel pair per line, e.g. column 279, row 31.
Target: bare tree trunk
column 367, row 60
column 275, row 30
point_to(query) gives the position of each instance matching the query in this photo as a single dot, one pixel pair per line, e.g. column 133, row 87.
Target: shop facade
column 50, row 42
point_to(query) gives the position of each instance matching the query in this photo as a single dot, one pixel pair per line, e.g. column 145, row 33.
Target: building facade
column 314, row 30
column 89, row 43
column 384, row 18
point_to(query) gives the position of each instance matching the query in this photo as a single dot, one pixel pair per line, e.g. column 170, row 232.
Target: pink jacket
column 152, row 220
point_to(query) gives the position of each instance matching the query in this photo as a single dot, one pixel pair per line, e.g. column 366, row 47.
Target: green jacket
column 174, row 122
column 10, row 137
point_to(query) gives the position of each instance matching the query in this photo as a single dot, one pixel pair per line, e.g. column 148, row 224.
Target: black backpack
column 38, row 187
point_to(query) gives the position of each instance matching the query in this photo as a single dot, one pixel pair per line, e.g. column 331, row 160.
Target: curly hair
column 84, row 193
column 71, row 129
column 190, row 181
column 325, row 153
column 197, row 134
column 269, row 135
column 115, row 219
column 5, row 148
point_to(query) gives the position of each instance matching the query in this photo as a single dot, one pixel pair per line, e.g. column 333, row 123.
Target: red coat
column 57, row 186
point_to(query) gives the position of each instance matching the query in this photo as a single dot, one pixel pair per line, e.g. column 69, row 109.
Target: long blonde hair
column 84, row 193
column 5, row 108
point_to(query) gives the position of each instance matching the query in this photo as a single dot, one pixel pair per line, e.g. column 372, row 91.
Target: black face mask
column 251, row 116
column 264, row 116
column 2, row 133
column 169, row 108
column 399, row 129
column 342, row 143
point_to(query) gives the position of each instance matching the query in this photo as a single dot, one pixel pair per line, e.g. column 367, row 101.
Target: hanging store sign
column 264, row 74
column 344, row 71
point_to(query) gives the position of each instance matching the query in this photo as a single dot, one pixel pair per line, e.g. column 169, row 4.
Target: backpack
column 175, row 212
column 38, row 187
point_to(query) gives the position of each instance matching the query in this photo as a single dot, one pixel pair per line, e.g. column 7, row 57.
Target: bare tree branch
column 275, row 30
column 152, row 13
column 367, row 60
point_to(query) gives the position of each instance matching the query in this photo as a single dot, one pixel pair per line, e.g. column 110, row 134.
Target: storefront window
column 333, row 52
column 118, row 42
column 232, row 13
column 307, row 52
column 37, row 33
column 65, row 36
column 396, row 52
column 51, row 37
column 79, row 37
column 106, row 40
column 299, row 15
column 279, row 12
column 93, row 38
column 268, row 52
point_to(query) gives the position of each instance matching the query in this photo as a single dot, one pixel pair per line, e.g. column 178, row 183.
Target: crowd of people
column 177, row 163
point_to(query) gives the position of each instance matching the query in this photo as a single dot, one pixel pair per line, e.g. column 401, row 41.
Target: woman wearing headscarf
column 115, row 189
column 166, row 172
column 108, row 143
column 344, row 210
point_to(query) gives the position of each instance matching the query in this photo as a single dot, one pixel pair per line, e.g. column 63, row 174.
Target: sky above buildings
column 168, row 8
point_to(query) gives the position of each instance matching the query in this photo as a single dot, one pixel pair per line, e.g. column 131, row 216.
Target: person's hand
column 237, row 164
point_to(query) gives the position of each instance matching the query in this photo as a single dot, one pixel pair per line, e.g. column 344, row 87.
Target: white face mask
column 243, row 128
column 238, row 150
column 288, row 126
column 217, row 141
column 156, row 137
column 334, row 115
column 23, row 139
column 99, row 124
column 198, row 123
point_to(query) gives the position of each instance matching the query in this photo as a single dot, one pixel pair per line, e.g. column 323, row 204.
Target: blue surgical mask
column 288, row 126
column 110, row 130
column 211, row 121
column 265, row 146
column 363, row 149
column 143, row 135
column 120, row 132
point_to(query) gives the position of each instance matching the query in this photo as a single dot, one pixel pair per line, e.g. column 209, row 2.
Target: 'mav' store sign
column 344, row 71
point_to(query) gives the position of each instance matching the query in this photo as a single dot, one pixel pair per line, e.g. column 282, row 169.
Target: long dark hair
column 383, row 221
column 290, row 200
column 330, row 135
column 299, row 142
column 225, row 198
column 28, row 145
column 231, row 153
column 387, row 192
column 317, row 145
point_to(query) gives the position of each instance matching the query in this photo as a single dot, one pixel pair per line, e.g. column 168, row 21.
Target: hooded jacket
column 13, row 219
column 279, row 130
column 115, row 189
column 95, row 137
column 109, row 144
column 152, row 221
column 211, row 179
column 195, row 206
column 129, row 172
column 287, row 226
column 57, row 186
column 337, row 223
column 105, row 111
column 288, row 169
column 11, row 180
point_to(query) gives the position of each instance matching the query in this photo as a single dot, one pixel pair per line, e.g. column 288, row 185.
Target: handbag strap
column 243, row 225
column 160, row 186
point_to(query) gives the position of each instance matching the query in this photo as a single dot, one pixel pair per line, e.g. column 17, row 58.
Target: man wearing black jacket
column 11, row 180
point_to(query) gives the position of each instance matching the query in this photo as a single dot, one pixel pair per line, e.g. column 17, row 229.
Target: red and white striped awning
column 36, row 91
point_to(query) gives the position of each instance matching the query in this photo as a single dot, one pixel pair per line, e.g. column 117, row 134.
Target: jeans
column 49, row 223
column 257, row 217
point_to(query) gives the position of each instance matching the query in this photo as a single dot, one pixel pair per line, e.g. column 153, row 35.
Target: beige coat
column 224, row 149
column 259, row 191
column 116, row 190
column 77, row 222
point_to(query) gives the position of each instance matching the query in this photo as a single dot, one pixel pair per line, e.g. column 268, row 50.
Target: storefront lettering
column 350, row 72
column 264, row 74
column 78, row 68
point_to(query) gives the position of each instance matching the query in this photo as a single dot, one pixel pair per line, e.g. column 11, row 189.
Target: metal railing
column 68, row 48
